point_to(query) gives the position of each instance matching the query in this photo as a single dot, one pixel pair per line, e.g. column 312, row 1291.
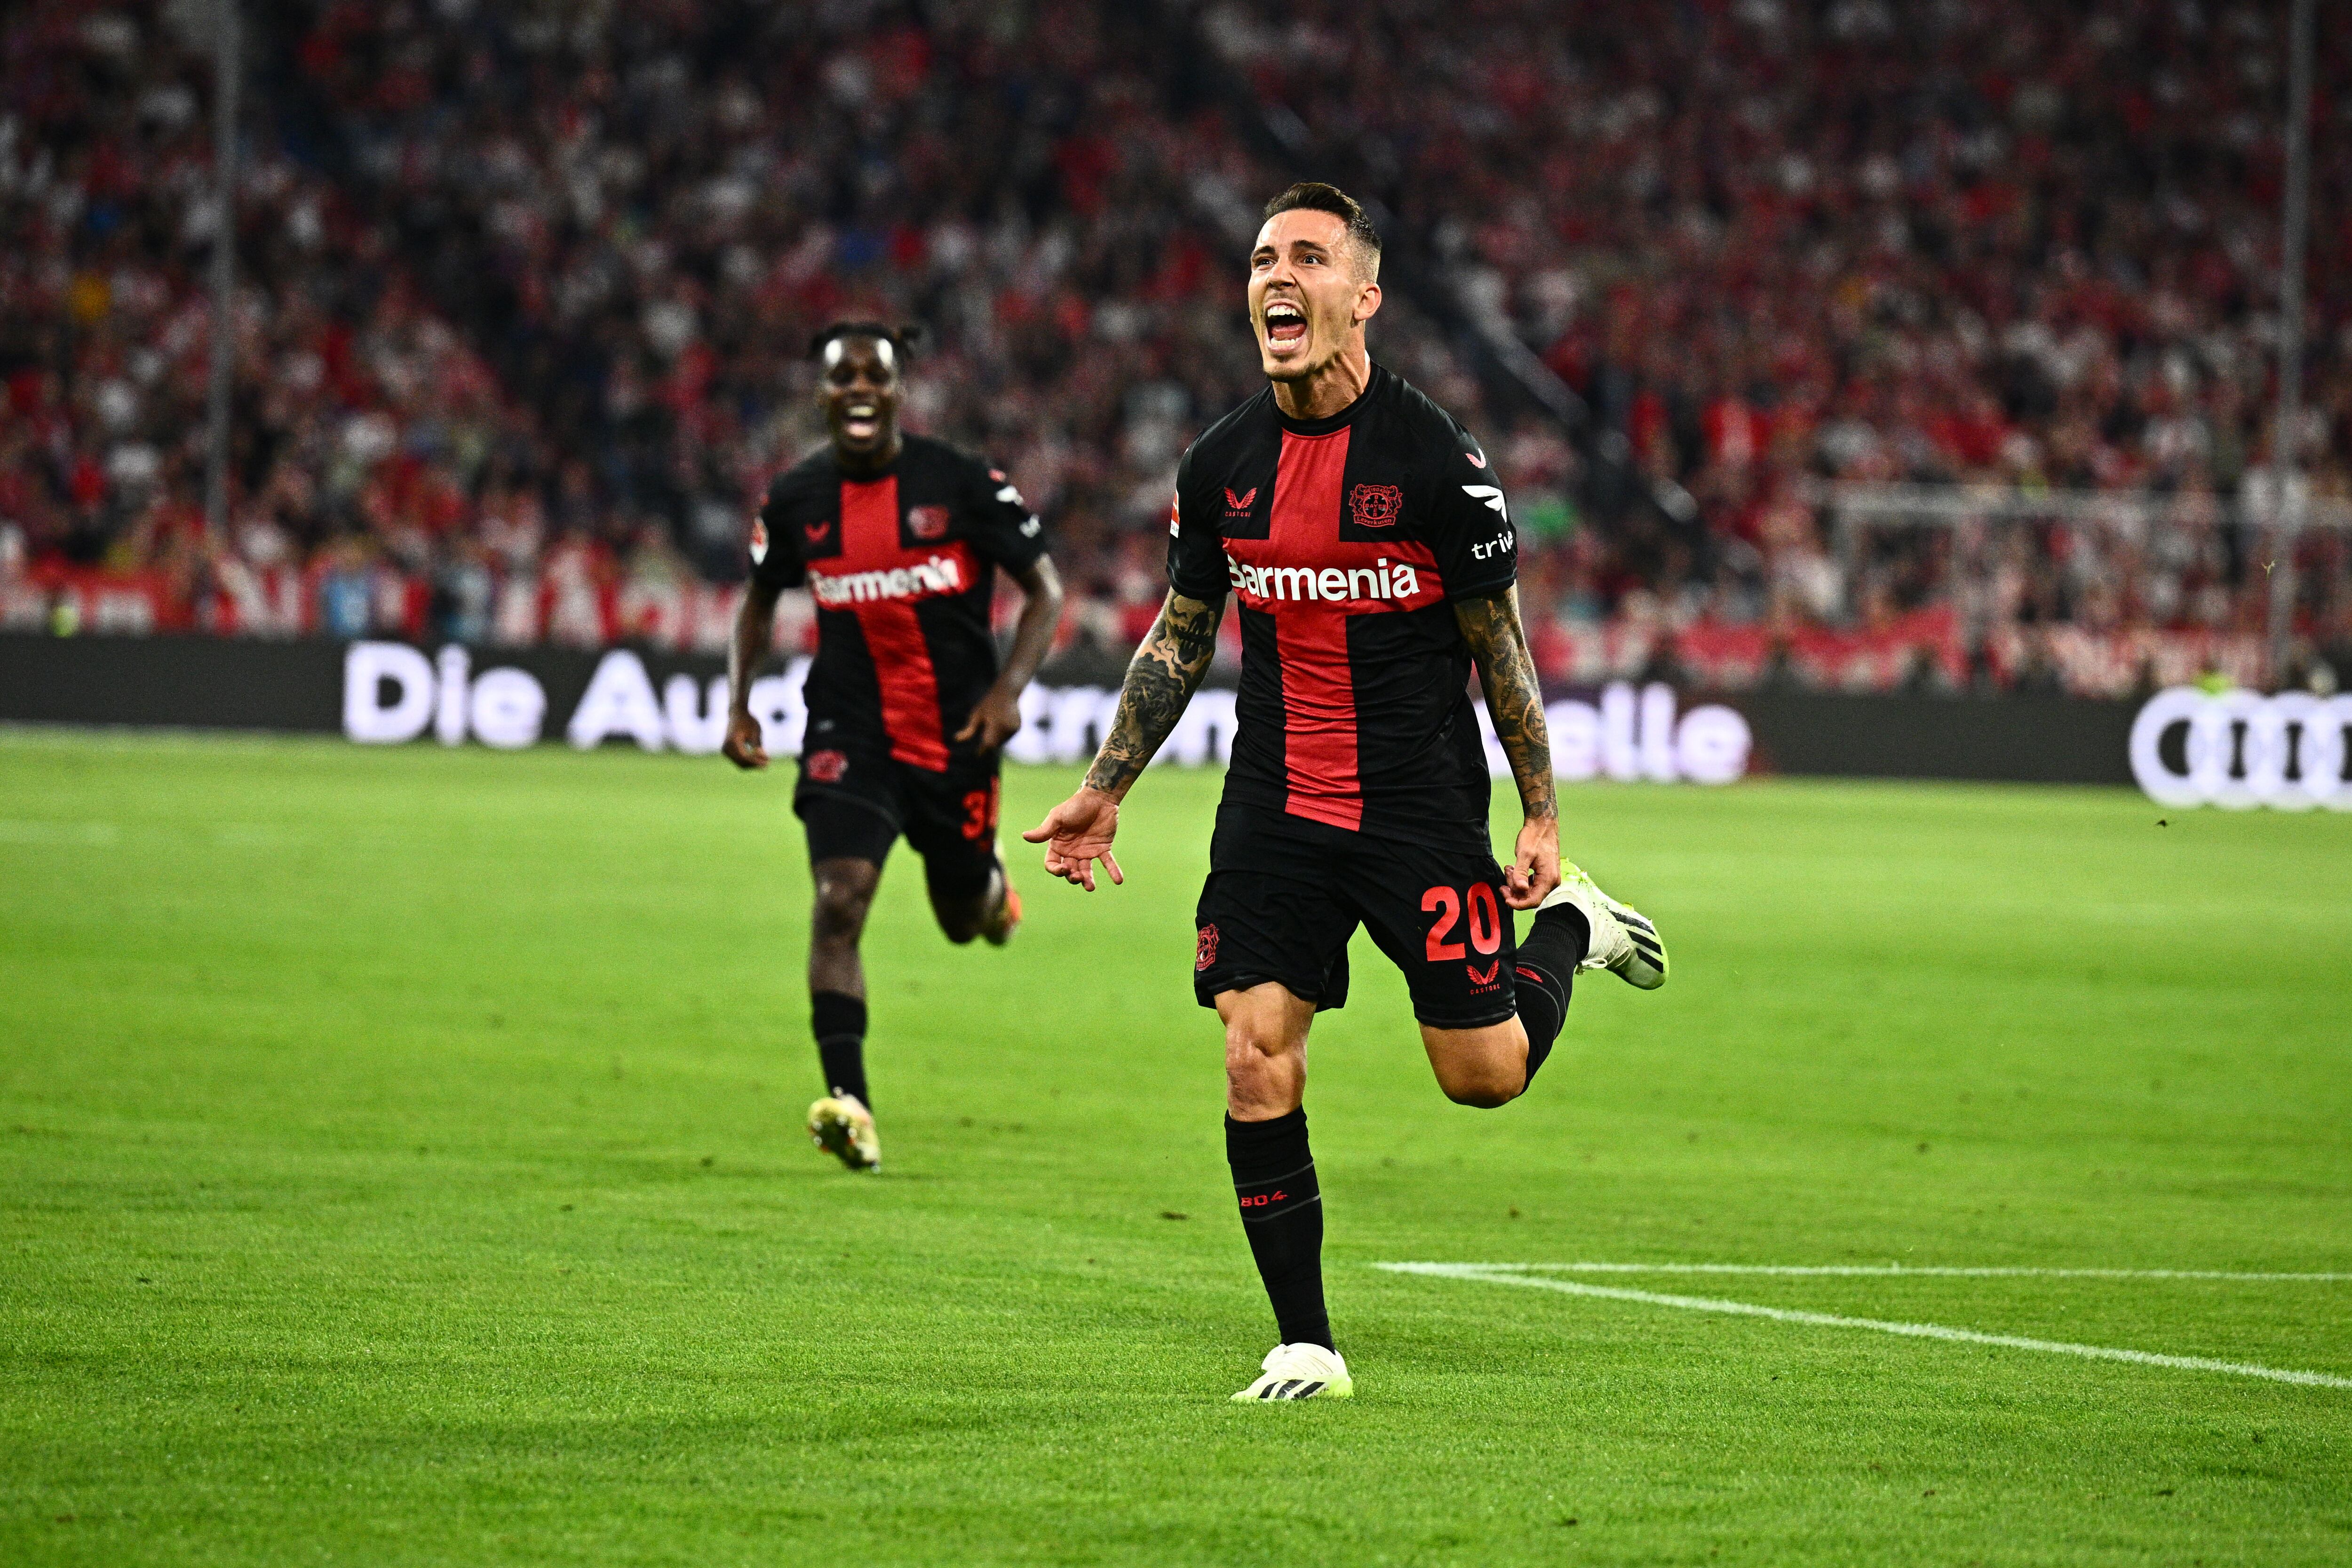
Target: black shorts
column 856, row 800
column 1285, row 894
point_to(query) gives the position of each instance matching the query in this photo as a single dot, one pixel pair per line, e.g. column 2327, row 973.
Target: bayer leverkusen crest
column 1376, row 506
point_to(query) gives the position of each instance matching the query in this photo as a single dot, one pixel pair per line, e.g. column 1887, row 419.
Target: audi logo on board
column 2241, row 748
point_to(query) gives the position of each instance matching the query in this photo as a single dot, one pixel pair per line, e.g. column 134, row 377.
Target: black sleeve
column 1196, row 555
column 776, row 541
column 1464, row 519
column 996, row 520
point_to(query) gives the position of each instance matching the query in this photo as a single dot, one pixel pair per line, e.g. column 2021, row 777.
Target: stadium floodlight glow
column 2239, row 750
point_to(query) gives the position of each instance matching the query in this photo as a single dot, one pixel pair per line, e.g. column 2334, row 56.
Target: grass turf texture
column 402, row 1162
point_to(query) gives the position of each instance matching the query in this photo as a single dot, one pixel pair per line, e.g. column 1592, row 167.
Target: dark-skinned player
column 898, row 539
column 1366, row 545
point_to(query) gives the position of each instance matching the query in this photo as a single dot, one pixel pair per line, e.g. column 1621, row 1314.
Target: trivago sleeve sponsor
column 996, row 520
column 1467, row 520
column 1197, row 567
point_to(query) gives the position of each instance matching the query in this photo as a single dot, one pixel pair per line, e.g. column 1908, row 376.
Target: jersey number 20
column 1485, row 921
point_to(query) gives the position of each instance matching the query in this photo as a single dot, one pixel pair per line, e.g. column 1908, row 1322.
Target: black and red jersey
column 1344, row 541
column 902, row 566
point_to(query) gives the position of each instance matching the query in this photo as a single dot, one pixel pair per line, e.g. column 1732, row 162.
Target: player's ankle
column 1315, row 1333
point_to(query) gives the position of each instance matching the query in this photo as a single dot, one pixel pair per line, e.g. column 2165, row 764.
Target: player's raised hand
column 742, row 745
column 1535, row 870
column 995, row 719
column 1078, row 832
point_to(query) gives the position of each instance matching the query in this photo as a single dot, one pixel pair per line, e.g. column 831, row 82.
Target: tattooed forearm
column 1491, row 627
column 1160, row 680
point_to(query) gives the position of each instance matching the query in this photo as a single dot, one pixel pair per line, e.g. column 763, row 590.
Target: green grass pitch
column 400, row 1162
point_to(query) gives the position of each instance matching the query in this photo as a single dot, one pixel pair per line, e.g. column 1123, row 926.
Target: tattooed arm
column 1491, row 627
column 1160, row 680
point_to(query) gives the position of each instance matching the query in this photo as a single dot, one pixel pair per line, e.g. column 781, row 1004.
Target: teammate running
column 1367, row 542
column 899, row 539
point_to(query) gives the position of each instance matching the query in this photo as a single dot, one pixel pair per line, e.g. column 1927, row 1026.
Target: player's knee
column 1260, row 1078
column 1482, row 1084
column 841, row 908
column 1250, row 1045
column 1251, row 1056
column 1485, row 1095
column 839, row 921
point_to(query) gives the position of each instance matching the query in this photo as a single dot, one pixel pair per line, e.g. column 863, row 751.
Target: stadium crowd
column 1980, row 242
column 524, row 293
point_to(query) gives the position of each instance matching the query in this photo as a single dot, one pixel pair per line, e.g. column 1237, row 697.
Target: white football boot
column 1300, row 1372
column 841, row 1126
column 1625, row 942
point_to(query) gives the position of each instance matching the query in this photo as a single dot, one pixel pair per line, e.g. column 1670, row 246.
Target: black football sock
column 838, row 1021
column 1282, row 1214
column 1556, row 945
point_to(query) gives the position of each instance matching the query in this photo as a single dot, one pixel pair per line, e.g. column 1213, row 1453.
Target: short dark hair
column 899, row 338
column 1314, row 196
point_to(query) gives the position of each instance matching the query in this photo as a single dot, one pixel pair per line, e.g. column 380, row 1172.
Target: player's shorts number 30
column 2242, row 749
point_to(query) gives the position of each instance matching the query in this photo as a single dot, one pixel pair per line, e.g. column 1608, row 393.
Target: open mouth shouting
column 1286, row 328
column 861, row 422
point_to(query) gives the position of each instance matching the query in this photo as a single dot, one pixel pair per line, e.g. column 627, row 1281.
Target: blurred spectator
column 1976, row 242
column 524, row 291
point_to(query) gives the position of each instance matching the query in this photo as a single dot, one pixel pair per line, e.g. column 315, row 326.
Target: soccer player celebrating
column 1367, row 542
column 898, row 538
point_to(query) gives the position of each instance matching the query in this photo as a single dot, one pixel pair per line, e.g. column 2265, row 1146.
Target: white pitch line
column 1892, row 1270
column 1833, row 1320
